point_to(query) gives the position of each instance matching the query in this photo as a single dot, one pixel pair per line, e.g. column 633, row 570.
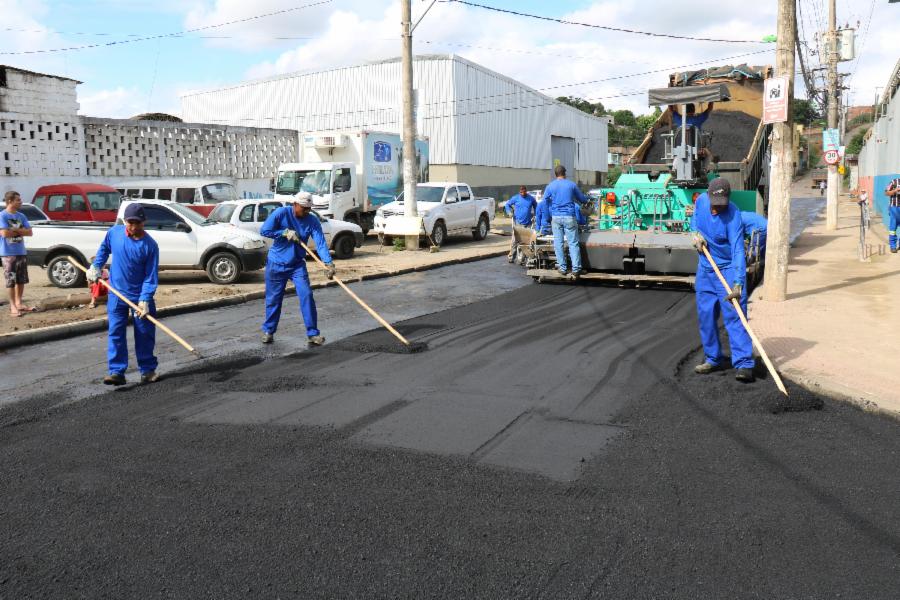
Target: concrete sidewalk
column 837, row 330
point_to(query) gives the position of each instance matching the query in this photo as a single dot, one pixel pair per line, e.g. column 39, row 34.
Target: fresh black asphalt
column 550, row 442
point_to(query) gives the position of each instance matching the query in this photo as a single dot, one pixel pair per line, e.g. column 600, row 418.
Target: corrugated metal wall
column 879, row 159
column 470, row 114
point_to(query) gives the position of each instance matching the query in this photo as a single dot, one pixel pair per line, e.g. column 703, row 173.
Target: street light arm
column 422, row 17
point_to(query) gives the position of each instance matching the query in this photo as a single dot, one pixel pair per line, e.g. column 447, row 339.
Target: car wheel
column 481, row 230
column 223, row 268
column 62, row 273
column 344, row 246
column 439, row 234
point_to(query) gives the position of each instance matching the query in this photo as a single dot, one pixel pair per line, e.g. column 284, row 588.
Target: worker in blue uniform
column 693, row 119
column 564, row 197
column 717, row 227
column 542, row 219
column 134, row 274
column 755, row 228
column 288, row 226
column 893, row 195
column 521, row 207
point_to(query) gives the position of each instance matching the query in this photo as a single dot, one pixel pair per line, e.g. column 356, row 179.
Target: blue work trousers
column 565, row 233
column 117, row 346
column 277, row 277
column 710, row 303
column 894, row 218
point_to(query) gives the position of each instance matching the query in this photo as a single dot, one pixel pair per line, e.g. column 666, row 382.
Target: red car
column 78, row 202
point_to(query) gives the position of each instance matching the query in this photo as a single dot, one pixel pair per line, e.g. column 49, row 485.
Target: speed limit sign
column 832, row 157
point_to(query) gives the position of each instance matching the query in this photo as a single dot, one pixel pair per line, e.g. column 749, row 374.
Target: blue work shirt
column 562, row 195
column 542, row 218
column 696, row 120
column 135, row 264
column 13, row 246
column 724, row 234
column 522, row 209
column 285, row 252
column 753, row 222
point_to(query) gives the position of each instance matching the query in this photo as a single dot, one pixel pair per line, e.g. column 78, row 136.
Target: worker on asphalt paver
column 755, row 228
column 133, row 273
column 893, row 193
column 564, row 197
column 521, row 207
column 717, row 226
column 693, row 119
column 288, row 226
column 542, row 219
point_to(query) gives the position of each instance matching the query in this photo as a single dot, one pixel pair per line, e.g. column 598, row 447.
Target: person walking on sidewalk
column 288, row 226
column 822, row 186
column 134, row 274
column 14, row 227
column 717, row 227
column 521, row 207
column 563, row 197
column 893, row 193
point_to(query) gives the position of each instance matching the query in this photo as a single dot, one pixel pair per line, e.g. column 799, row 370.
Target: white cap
column 303, row 199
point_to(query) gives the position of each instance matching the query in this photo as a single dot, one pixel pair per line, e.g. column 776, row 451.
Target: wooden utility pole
column 781, row 171
column 831, row 205
column 409, row 123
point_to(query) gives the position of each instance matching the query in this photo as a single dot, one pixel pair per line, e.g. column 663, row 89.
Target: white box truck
column 349, row 173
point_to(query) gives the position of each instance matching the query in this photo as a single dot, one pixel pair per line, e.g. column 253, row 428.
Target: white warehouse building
column 483, row 127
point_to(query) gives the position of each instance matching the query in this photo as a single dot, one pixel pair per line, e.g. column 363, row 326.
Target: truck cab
column 333, row 186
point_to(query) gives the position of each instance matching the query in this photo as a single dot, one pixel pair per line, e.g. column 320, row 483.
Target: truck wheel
column 439, row 234
column 481, row 230
column 64, row 274
column 344, row 246
column 223, row 268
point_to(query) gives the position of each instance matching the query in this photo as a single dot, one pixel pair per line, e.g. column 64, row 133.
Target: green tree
column 856, row 144
column 583, row 105
column 804, row 111
column 613, row 176
column 624, row 118
column 644, row 122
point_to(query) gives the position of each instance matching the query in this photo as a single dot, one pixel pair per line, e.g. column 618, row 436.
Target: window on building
column 57, row 203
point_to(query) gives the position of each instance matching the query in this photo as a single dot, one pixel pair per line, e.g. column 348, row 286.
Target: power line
column 606, row 27
column 169, row 35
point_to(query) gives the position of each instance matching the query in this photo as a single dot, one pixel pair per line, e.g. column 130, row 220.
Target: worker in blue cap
column 521, row 207
column 135, row 264
column 718, row 228
column 755, row 228
column 288, row 226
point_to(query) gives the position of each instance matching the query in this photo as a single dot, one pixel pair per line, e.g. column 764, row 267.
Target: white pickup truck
column 446, row 208
column 187, row 241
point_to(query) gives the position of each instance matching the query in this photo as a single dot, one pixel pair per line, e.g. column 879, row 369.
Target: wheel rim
column 482, row 228
column 223, row 269
column 64, row 272
column 438, row 235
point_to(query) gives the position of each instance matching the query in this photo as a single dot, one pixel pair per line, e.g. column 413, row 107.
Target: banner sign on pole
column 775, row 104
column 831, row 140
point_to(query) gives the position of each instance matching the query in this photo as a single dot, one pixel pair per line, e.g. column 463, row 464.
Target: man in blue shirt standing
column 893, row 195
column 521, row 207
column 755, row 228
column 693, row 119
column 717, row 226
column 288, row 226
column 13, row 229
column 134, row 274
column 563, row 197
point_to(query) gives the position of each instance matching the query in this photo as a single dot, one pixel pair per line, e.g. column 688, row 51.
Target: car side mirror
column 183, row 227
column 272, row 185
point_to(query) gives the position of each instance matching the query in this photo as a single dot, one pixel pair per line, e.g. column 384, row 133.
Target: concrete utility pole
column 831, row 205
column 781, row 172
column 409, row 123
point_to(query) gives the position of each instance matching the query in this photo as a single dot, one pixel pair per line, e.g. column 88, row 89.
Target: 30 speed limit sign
column 832, row 157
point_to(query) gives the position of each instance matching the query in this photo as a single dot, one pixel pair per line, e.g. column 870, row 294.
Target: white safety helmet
column 303, row 199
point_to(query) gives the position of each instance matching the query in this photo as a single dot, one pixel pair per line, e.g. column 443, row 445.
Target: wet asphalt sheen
column 550, row 442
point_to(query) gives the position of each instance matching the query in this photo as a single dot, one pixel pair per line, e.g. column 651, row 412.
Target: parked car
column 186, row 241
column 342, row 237
column 31, row 212
column 445, row 208
column 201, row 195
column 78, row 202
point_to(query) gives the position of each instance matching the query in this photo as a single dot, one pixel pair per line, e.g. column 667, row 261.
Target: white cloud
column 24, row 33
column 116, row 103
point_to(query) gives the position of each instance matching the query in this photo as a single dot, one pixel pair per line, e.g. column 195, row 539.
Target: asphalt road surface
column 550, row 442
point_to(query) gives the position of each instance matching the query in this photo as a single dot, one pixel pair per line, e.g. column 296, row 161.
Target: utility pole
column 409, row 124
column 781, row 172
column 831, row 205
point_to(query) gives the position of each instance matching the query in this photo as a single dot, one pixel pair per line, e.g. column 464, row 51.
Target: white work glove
column 698, row 241
column 143, row 309
column 93, row 274
column 290, row 235
column 330, row 270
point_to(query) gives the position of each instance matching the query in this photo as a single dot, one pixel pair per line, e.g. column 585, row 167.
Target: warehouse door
column 562, row 149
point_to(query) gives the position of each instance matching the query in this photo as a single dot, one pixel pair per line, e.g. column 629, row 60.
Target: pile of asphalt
column 705, row 493
column 732, row 133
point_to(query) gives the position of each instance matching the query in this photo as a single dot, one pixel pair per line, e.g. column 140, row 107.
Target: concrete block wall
column 26, row 92
column 40, row 144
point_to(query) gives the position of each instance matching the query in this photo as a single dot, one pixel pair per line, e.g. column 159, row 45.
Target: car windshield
column 426, row 193
column 214, row 193
column 222, row 213
column 104, row 200
column 312, row 181
column 187, row 213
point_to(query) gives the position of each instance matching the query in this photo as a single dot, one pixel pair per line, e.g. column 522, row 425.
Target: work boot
column 562, row 271
column 745, row 375
column 316, row 340
column 149, row 377
column 268, row 338
column 705, row 368
column 114, row 379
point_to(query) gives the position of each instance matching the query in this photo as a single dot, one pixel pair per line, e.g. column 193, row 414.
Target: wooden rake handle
column 150, row 318
column 355, row 297
column 740, row 312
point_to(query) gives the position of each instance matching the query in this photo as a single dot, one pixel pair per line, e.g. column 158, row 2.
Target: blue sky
column 125, row 79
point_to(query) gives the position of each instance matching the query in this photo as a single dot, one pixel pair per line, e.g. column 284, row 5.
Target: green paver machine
column 643, row 231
